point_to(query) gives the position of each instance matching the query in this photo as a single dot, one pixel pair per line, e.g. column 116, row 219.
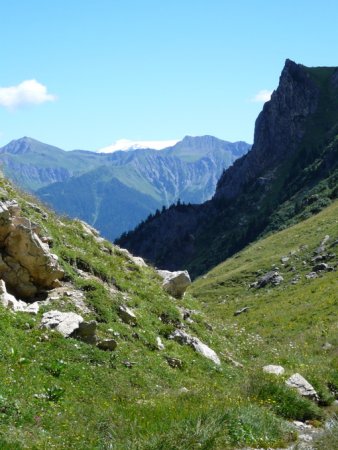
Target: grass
column 61, row 393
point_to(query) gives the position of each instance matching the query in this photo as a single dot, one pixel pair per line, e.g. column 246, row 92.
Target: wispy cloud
column 29, row 92
column 262, row 96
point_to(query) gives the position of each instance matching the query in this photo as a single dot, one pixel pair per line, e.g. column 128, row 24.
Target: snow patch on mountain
column 126, row 145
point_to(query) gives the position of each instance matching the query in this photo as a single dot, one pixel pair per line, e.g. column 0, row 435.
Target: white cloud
column 262, row 96
column 29, row 92
column 126, row 144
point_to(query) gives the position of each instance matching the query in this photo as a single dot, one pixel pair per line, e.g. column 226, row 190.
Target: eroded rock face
column 26, row 264
column 175, row 283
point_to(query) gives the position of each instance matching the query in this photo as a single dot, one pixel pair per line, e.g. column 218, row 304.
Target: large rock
column 304, row 388
column 31, row 253
column 273, row 277
column 275, row 370
column 107, row 344
column 26, row 263
column 127, row 315
column 65, row 323
column 175, row 283
column 183, row 338
column 86, row 332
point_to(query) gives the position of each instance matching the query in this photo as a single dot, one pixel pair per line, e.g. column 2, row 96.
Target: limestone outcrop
column 26, row 263
column 10, row 302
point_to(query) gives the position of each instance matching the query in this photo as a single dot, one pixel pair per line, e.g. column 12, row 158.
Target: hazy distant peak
column 127, row 144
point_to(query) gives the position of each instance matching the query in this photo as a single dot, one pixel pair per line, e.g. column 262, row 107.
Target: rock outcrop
column 26, row 263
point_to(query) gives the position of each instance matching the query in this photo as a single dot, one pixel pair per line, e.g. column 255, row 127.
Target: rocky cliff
column 290, row 173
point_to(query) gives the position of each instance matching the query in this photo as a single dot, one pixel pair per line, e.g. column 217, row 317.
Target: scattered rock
column 139, row 261
column 127, row 315
column 86, row 332
column 284, row 259
column 135, row 259
column 107, row 344
column 187, row 313
column 311, row 275
column 175, row 283
column 183, row 390
column 295, row 279
column 275, row 370
column 319, row 267
column 128, row 364
column 242, row 310
column 89, row 230
column 159, row 344
column 228, row 356
column 183, row 338
column 327, row 346
column 273, row 277
column 64, row 322
column 321, row 248
column 174, row 362
column 304, row 388
column 33, row 308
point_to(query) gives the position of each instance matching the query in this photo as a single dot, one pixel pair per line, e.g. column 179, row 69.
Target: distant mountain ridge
column 290, row 173
column 91, row 185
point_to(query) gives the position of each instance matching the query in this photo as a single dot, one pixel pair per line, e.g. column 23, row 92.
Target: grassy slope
column 92, row 401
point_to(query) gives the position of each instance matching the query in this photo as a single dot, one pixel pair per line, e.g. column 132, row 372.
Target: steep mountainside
column 290, row 173
column 100, row 356
column 145, row 179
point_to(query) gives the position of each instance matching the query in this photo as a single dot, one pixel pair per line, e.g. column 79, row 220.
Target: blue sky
column 145, row 69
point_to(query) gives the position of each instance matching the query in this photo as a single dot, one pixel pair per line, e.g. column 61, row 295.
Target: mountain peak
column 127, row 145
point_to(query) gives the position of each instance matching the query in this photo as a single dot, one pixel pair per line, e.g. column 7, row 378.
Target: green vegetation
column 62, row 393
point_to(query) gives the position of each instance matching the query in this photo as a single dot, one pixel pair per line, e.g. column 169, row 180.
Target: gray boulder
column 304, row 388
column 127, row 315
column 64, row 322
column 275, row 370
column 183, row 338
column 175, row 283
column 107, row 344
column 86, row 332
column 273, row 277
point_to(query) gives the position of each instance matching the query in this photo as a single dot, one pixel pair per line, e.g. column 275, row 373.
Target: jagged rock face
column 294, row 150
column 278, row 131
column 26, row 264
